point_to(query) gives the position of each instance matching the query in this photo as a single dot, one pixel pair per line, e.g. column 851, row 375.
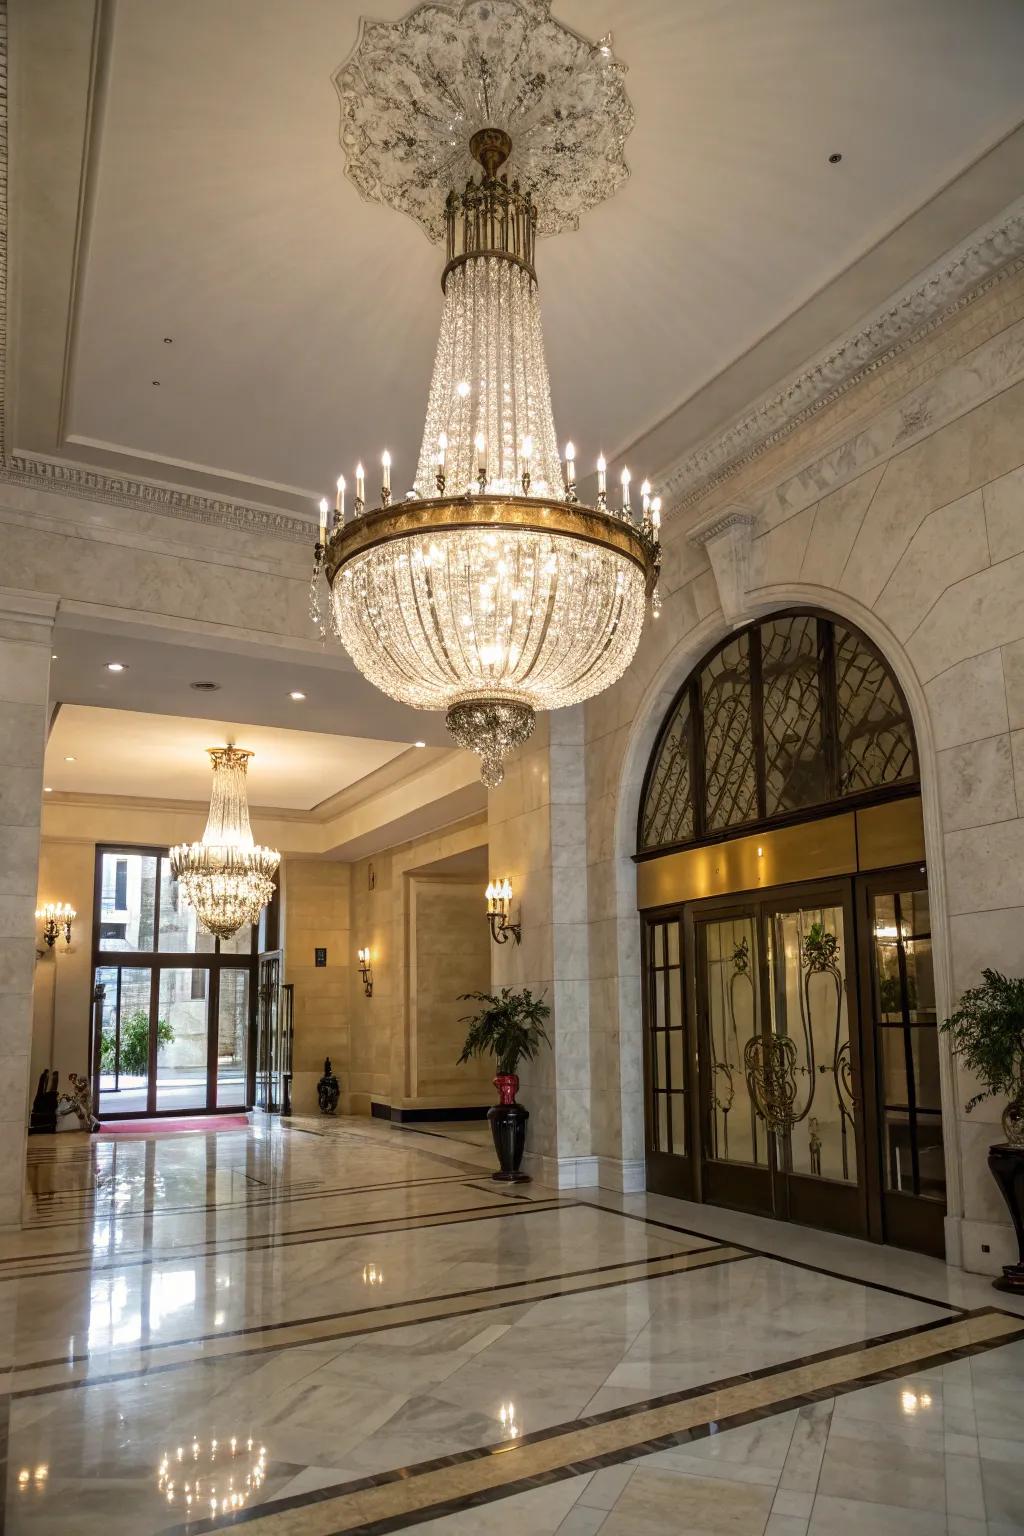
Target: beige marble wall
column 449, row 954
column 316, row 916
column 26, row 628
column 383, row 1054
column 63, row 975
column 901, row 507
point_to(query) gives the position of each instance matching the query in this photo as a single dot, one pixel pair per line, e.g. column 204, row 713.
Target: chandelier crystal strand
column 227, row 878
column 493, row 592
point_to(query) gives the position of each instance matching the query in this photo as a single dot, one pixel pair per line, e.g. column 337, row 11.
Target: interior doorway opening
column 790, row 1028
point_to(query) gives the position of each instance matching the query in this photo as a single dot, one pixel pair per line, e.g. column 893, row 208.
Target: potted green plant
column 510, row 1027
column 987, row 1033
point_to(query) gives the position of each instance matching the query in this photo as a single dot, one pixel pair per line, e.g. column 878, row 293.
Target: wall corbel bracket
column 727, row 535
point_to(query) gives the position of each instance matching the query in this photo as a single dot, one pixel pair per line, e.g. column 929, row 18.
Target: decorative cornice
column 57, row 475
column 985, row 258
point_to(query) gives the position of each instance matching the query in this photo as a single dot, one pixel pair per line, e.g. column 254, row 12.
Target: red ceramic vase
column 507, row 1084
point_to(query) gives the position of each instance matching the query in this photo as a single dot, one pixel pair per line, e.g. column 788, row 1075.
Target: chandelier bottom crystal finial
column 492, row 728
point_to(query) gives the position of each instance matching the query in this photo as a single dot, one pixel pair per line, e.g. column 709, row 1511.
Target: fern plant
column 987, row 1030
column 510, row 1028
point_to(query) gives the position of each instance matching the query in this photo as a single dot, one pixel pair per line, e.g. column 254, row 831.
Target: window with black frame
column 783, row 719
column 177, row 1007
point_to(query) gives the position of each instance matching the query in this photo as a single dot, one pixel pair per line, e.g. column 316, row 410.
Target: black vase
column 508, row 1129
column 1007, row 1165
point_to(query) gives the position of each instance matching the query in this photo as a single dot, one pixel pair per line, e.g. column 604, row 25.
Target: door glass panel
column 182, row 1014
column 908, row 1051
column 124, row 1047
column 806, row 1070
column 127, row 901
column 666, row 1054
column 232, row 1037
column 737, row 1134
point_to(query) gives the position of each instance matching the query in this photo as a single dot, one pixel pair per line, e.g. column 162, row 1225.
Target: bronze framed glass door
column 901, row 1024
column 667, row 1064
column 780, row 1060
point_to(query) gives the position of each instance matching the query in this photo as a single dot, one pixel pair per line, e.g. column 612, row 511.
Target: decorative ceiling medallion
column 413, row 91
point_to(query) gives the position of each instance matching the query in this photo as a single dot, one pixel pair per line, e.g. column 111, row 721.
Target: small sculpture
column 74, row 1110
column 328, row 1090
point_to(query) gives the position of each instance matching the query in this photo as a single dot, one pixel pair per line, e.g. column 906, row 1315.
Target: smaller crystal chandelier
column 227, row 878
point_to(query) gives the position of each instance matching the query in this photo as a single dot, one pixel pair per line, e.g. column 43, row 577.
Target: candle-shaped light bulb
column 480, row 444
column 527, row 448
column 385, row 460
column 601, row 478
column 442, row 449
column 462, row 389
column 360, row 483
column 645, row 496
column 656, row 512
column 625, row 479
column 324, row 509
column 570, row 453
column 339, row 498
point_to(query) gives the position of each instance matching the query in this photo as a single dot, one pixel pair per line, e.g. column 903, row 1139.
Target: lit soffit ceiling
column 300, row 321
column 164, row 757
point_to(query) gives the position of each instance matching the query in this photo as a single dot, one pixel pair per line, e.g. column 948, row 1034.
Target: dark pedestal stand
column 508, row 1128
column 1007, row 1165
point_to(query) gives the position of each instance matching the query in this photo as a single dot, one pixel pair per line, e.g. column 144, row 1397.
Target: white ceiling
column 120, row 752
column 216, row 212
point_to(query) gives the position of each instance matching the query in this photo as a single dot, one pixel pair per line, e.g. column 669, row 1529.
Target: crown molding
column 43, row 473
column 990, row 255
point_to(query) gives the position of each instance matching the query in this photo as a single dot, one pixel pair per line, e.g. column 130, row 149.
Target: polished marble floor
column 326, row 1327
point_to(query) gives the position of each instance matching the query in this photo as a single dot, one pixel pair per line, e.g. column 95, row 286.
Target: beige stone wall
column 900, row 507
column 66, row 873
column 385, row 1034
column 450, row 954
column 316, row 916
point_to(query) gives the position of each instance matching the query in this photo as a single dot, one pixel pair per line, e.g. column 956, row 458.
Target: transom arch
column 788, row 717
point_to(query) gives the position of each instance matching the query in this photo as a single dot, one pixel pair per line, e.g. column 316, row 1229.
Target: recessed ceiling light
column 205, row 687
column 69, row 759
column 419, row 743
column 835, row 158
column 47, row 790
column 168, row 340
column 295, row 694
column 116, row 666
column 54, row 656
column 155, row 383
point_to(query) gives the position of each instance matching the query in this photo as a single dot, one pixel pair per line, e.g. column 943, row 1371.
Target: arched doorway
column 790, row 1045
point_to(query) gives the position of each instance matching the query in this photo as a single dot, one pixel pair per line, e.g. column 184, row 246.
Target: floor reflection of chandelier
column 227, row 878
column 490, row 591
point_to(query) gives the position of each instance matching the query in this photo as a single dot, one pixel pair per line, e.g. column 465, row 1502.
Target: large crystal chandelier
column 491, row 591
column 227, row 878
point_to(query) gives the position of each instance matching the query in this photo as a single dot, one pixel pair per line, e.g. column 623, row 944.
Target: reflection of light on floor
column 372, row 1275
column 27, row 1478
column 507, row 1415
column 115, row 1312
column 219, row 1477
column 910, row 1402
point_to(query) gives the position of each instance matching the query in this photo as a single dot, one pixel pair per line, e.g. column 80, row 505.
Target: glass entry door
column 781, row 1061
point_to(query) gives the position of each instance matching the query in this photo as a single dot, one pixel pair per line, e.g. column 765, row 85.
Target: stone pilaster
column 537, row 836
column 26, row 638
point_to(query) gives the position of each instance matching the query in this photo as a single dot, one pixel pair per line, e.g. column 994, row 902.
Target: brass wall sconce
column 56, row 918
column 366, row 971
column 499, row 908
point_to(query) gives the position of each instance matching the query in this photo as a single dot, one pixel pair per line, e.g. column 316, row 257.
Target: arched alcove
column 800, row 687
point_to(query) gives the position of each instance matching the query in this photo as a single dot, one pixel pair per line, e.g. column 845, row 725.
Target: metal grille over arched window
column 784, row 718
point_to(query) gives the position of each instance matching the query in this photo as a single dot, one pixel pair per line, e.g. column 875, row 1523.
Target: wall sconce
column 499, row 907
column 56, row 917
column 366, row 971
